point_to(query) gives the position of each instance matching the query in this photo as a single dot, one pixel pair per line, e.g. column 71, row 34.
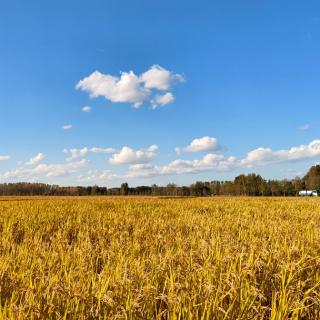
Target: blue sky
column 234, row 85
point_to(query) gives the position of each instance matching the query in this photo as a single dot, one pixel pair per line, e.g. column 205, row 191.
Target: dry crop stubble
column 149, row 258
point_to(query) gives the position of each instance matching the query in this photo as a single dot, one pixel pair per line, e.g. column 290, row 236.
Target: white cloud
column 159, row 78
column 36, row 159
column 128, row 155
column 82, row 152
column 131, row 88
column 86, row 109
column 97, row 177
column 76, row 153
column 127, row 88
column 140, row 162
column 141, row 166
column 54, row 170
column 201, row 144
column 162, row 100
column 304, row 127
column 3, row 158
column 143, row 171
column 102, row 150
column 67, row 127
column 44, row 170
column 219, row 163
column 210, row 162
column 264, row 156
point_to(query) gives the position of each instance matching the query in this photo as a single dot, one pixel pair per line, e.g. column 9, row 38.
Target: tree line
column 243, row 185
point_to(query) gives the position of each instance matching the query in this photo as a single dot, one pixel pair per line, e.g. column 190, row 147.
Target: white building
column 308, row 193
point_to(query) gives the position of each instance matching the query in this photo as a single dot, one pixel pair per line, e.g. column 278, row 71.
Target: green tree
column 312, row 178
column 124, row 189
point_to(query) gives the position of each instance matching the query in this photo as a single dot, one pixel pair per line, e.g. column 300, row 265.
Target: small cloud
column 304, row 127
column 97, row 177
column 200, row 144
column 78, row 153
column 35, row 160
column 159, row 78
column 3, row 158
column 162, row 100
column 131, row 156
column 102, row 150
column 86, row 109
column 67, row 127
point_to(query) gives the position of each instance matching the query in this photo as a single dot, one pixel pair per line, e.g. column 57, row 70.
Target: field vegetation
column 153, row 258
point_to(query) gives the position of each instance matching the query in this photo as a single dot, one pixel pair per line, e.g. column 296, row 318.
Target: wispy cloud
column 82, row 152
column 3, row 158
column 96, row 176
column 43, row 170
column 86, row 109
column 304, row 127
column 36, row 159
column 67, row 127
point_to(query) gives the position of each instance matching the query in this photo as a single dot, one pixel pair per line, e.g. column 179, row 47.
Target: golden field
column 153, row 258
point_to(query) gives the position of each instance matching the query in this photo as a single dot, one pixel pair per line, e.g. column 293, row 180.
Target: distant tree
column 199, row 189
column 287, row 188
column 124, row 189
column 240, row 185
column 275, row 187
column 171, row 189
column 312, row 178
column 94, row 190
column 298, row 184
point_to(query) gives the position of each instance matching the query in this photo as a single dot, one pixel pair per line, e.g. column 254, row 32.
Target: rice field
column 153, row 258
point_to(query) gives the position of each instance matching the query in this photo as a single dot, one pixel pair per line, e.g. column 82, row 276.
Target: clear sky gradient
column 237, row 90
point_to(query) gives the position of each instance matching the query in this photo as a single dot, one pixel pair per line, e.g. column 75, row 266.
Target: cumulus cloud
column 264, row 156
column 210, row 162
column 219, row 163
column 3, row 158
column 86, row 109
column 67, row 127
column 140, row 162
column 159, row 78
column 162, row 100
column 143, row 171
column 201, row 144
column 126, row 88
column 44, row 170
column 36, row 159
column 76, row 153
column 128, row 155
column 131, row 88
column 54, row 170
column 82, row 152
